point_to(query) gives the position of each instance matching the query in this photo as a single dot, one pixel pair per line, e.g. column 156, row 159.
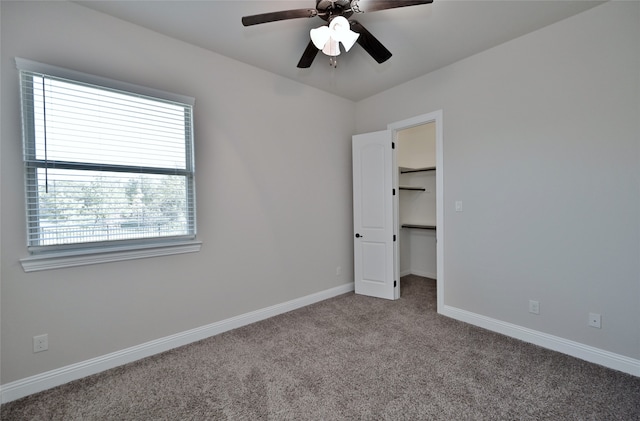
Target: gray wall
column 541, row 143
column 265, row 176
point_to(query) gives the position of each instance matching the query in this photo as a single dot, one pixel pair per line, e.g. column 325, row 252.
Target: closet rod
column 408, row 170
column 419, row 226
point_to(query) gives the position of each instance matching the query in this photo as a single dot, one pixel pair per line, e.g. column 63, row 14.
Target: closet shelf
column 412, row 188
column 404, row 170
column 419, row 226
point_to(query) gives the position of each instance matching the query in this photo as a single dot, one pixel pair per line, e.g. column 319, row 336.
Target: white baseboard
column 424, row 273
column 30, row 385
column 418, row 273
column 555, row 343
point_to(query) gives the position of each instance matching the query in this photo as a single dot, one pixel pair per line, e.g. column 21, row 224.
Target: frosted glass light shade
column 341, row 31
column 348, row 39
column 331, row 48
column 320, row 36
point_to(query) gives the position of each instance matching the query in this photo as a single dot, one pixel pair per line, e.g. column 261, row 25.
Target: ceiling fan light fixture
column 327, row 38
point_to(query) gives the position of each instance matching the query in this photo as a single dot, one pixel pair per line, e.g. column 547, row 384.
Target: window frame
column 77, row 254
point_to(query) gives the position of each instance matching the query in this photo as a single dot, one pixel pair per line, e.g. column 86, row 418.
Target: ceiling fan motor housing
column 328, row 9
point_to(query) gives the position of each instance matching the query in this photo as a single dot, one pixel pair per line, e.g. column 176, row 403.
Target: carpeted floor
column 349, row 357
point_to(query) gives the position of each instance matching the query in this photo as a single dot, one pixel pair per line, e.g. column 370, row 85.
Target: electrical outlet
column 534, row 307
column 40, row 343
column 594, row 320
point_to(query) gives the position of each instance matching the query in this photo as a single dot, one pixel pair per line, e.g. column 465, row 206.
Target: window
column 106, row 163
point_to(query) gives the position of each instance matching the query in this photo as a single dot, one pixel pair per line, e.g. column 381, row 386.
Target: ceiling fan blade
column 375, row 5
column 370, row 43
column 308, row 56
column 275, row 16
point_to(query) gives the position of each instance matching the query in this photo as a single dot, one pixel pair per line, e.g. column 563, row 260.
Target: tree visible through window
column 104, row 164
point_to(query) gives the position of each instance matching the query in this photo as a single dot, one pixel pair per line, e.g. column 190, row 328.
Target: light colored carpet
column 350, row 357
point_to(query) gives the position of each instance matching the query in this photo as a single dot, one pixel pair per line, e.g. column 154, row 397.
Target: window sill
column 71, row 258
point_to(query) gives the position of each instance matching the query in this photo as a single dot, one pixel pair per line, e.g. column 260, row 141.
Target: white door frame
column 434, row 117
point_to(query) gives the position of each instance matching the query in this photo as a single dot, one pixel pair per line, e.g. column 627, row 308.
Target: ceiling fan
column 340, row 28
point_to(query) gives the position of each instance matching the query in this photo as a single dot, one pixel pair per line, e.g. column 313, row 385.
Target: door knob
column 359, row 236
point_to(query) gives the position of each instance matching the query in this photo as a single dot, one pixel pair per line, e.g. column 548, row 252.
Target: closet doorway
column 419, row 207
column 378, row 219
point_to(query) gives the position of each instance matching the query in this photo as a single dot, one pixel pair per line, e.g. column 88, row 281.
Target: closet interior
column 416, row 165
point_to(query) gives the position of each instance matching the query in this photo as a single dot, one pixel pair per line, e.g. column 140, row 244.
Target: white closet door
column 373, row 215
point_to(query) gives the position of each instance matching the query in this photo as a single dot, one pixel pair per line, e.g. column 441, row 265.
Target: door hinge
column 395, row 283
column 393, row 145
column 394, row 237
column 394, row 192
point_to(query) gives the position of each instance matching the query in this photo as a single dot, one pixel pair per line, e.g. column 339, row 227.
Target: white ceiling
column 422, row 38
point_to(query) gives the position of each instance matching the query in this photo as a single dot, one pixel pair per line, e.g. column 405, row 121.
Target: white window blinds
column 104, row 164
